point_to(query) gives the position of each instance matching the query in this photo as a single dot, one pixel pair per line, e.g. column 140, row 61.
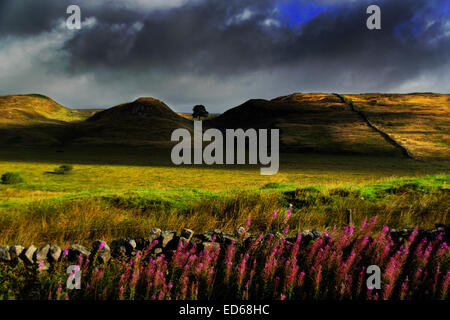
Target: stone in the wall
column 132, row 243
column 54, row 253
column 41, row 254
column 166, row 237
column 307, row 236
column 4, row 254
column 154, row 234
column 241, row 234
column 102, row 250
column 315, row 233
column 78, row 250
column 187, row 234
column 123, row 247
column 15, row 252
column 28, row 254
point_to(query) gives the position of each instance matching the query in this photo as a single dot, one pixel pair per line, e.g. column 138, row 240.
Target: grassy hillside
column 34, row 120
column 420, row 122
column 309, row 122
column 324, row 123
column 34, row 108
column 146, row 121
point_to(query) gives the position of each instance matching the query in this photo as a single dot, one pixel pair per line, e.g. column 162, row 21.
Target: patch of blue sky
column 437, row 11
column 298, row 12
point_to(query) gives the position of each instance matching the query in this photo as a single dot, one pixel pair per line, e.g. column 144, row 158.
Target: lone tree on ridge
column 200, row 112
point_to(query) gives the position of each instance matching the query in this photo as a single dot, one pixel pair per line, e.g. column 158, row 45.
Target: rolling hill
column 419, row 121
column 34, row 108
column 145, row 121
column 392, row 124
column 34, row 120
column 308, row 122
column 417, row 125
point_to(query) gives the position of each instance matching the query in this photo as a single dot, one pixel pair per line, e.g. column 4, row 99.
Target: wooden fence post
column 349, row 217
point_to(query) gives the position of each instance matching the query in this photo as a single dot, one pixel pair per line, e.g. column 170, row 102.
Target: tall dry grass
column 93, row 218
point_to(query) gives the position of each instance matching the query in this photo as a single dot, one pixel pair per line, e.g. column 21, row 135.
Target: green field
column 114, row 192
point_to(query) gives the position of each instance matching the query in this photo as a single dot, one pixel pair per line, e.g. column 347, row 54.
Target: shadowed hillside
column 34, row 120
column 143, row 109
column 308, row 122
column 146, row 121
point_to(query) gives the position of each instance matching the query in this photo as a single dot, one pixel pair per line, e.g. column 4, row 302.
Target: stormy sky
column 220, row 52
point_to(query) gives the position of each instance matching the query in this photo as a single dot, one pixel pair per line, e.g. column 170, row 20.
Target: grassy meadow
column 122, row 192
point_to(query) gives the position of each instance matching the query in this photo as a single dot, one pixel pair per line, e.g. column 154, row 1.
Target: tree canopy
column 200, row 112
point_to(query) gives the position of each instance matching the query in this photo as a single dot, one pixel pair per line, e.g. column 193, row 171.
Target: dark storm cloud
column 142, row 43
column 340, row 39
column 204, row 38
column 25, row 17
